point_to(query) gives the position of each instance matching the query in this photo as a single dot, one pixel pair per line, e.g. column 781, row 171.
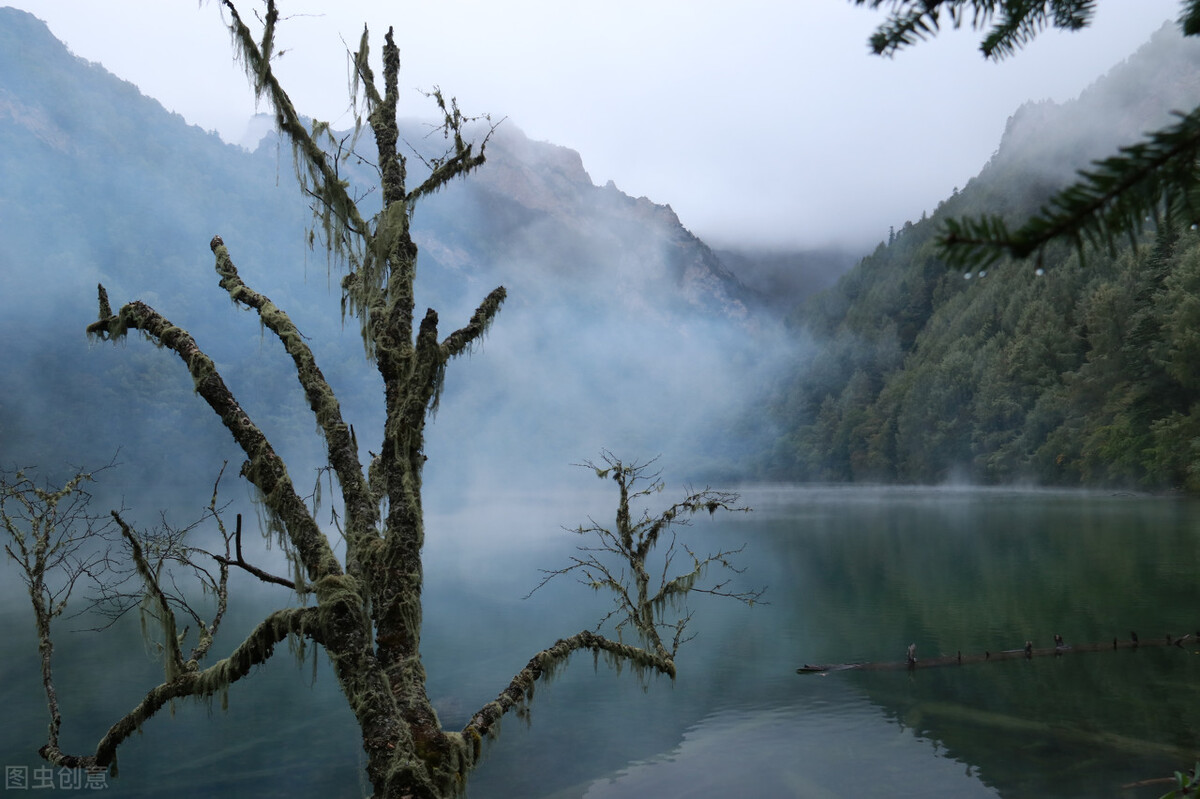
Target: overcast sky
column 758, row 121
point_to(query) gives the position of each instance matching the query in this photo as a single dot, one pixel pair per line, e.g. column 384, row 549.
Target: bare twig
column 241, row 562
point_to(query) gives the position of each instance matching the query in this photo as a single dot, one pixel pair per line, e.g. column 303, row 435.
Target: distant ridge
column 610, row 297
column 1060, row 372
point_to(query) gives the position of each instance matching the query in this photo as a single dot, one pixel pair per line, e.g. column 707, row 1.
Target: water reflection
column 787, row 753
column 853, row 575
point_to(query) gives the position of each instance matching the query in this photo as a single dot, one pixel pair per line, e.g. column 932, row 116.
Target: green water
column 853, row 575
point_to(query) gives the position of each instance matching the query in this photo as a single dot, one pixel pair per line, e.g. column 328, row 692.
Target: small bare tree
column 364, row 609
column 620, row 562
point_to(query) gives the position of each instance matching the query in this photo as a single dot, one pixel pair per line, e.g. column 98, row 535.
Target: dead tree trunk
column 366, row 611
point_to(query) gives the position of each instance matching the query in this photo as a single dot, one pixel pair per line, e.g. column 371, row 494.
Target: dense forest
column 1073, row 369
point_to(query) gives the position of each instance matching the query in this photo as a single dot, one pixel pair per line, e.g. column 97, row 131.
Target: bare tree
column 620, row 562
column 364, row 609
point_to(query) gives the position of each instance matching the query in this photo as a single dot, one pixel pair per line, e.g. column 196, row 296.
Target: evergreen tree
column 1153, row 180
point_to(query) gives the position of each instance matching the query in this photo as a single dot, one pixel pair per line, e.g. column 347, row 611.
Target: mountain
column 622, row 329
column 534, row 205
column 785, row 277
column 1069, row 371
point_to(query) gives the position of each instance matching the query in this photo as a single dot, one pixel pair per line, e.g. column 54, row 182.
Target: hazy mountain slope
column 785, row 278
column 622, row 329
column 1080, row 374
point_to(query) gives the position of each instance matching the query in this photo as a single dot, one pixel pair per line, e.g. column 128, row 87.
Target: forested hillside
column 1065, row 371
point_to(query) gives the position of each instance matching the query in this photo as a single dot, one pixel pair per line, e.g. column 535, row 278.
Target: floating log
column 1028, row 652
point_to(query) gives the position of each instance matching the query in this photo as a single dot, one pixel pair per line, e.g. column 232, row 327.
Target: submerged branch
column 255, row 650
column 545, row 662
column 617, row 560
column 1028, row 652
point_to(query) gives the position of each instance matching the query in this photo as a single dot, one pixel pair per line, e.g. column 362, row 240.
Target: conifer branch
column 1189, row 20
column 1156, row 181
column 912, row 21
column 1021, row 22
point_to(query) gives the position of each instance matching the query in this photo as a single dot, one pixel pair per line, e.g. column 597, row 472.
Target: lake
column 853, row 574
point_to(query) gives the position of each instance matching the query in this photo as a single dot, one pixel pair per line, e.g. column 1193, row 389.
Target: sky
column 762, row 123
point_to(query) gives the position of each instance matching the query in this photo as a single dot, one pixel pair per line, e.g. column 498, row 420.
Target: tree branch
column 617, row 562
column 545, row 662
column 1153, row 179
column 208, row 633
column 172, row 656
column 337, row 211
column 459, row 160
column 362, row 513
column 241, row 562
column 461, row 339
column 264, row 468
column 43, row 530
column 256, row 649
column 911, row 21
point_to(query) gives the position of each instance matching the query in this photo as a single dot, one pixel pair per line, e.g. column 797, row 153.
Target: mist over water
column 618, row 334
column 555, row 383
column 852, row 574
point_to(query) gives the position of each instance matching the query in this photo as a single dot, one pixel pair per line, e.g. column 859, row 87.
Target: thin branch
column 459, row 160
column 172, row 656
column 43, row 528
column 220, row 586
column 241, row 562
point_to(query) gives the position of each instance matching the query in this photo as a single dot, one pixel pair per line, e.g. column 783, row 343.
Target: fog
column 621, row 332
column 761, row 122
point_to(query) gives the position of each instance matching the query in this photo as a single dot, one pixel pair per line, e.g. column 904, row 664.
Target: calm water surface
column 853, row 575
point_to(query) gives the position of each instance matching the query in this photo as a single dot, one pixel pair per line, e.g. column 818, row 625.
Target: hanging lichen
column 367, row 613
